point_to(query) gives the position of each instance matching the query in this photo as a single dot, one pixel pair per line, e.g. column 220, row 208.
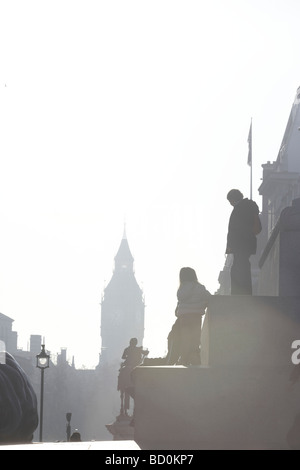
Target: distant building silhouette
column 35, row 344
column 9, row 337
column 122, row 308
column 281, row 179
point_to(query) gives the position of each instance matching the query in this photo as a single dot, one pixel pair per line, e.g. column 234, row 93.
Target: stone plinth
column 122, row 428
column 242, row 398
column 242, row 330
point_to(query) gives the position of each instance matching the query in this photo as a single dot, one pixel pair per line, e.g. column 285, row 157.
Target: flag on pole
column 250, row 145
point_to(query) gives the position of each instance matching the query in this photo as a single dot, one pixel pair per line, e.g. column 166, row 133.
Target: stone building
column 281, row 178
column 9, row 337
column 122, row 308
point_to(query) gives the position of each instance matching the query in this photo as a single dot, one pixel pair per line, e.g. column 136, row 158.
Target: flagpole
column 251, row 180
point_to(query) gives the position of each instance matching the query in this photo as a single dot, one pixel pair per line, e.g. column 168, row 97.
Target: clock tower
column 122, row 308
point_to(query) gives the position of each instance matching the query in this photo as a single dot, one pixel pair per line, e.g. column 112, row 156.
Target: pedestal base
column 122, row 429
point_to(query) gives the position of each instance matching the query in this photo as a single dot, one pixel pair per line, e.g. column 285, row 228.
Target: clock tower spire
column 122, row 307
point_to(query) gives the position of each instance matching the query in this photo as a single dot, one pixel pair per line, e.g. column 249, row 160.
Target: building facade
column 281, row 178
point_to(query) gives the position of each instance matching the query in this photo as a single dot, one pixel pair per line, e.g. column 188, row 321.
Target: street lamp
column 68, row 416
column 42, row 362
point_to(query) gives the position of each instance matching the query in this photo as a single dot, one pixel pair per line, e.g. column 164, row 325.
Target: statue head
column 133, row 342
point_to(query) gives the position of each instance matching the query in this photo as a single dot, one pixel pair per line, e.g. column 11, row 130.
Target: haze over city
column 130, row 112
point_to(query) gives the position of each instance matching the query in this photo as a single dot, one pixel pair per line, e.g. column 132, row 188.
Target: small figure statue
column 133, row 356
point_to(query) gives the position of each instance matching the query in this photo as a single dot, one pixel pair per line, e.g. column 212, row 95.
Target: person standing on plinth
column 244, row 225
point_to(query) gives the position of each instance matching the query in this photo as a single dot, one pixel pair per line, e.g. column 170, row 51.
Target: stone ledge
column 92, row 445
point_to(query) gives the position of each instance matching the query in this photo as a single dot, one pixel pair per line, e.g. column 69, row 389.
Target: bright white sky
column 137, row 111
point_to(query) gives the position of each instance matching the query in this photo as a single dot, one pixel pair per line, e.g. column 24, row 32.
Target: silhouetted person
column 18, row 404
column 185, row 336
column 76, row 436
column 244, row 225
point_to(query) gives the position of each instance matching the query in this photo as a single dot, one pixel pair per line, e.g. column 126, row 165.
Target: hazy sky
column 137, row 111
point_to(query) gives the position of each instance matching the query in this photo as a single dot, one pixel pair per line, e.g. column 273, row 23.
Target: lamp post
column 42, row 362
column 68, row 416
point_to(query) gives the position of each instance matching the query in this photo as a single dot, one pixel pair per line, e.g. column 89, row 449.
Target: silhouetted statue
column 134, row 356
column 244, row 225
